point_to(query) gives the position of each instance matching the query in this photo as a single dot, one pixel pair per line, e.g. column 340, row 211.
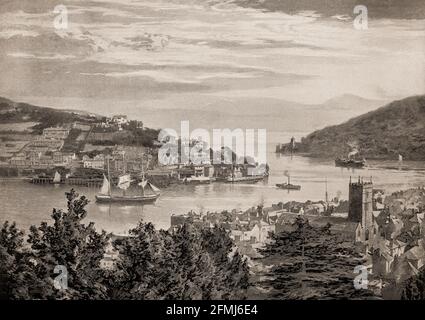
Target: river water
column 29, row 204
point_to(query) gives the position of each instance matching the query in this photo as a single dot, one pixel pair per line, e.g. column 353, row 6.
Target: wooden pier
column 42, row 180
column 91, row 183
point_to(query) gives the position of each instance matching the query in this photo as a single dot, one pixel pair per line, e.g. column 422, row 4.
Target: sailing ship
column 124, row 182
column 288, row 185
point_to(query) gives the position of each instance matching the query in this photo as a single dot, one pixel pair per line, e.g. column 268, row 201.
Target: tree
column 72, row 244
column 188, row 263
column 414, row 287
column 311, row 263
column 11, row 240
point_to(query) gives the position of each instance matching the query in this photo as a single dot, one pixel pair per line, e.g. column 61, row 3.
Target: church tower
column 361, row 206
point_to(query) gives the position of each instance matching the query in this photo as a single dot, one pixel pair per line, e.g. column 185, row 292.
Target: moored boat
column 350, row 163
column 127, row 199
column 197, row 180
column 124, row 182
column 246, row 179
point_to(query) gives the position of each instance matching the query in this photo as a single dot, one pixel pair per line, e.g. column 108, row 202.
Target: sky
column 212, row 62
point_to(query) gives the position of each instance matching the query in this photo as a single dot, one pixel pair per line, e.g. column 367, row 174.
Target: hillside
column 397, row 128
column 17, row 112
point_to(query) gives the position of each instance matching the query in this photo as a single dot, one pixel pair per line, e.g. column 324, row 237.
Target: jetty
column 91, row 183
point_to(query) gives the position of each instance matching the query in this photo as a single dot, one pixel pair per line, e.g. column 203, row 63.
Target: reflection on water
column 29, row 204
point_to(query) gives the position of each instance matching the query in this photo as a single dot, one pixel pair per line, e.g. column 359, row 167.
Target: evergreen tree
column 189, row 262
column 72, row 244
column 311, row 263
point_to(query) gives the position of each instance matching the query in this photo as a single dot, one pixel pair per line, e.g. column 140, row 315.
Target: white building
column 98, row 162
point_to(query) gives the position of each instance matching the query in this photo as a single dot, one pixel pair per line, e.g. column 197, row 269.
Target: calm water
column 29, row 204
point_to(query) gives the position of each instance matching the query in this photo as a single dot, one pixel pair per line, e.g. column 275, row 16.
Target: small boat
column 124, row 182
column 56, row 178
column 350, row 163
column 197, row 180
column 288, row 185
column 246, row 179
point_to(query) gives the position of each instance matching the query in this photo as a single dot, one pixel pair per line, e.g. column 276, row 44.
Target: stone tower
column 361, row 206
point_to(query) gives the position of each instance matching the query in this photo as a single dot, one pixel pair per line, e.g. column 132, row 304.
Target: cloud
column 126, row 49
column 398, row 9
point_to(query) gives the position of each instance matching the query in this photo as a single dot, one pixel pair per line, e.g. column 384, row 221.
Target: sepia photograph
column 225, row 152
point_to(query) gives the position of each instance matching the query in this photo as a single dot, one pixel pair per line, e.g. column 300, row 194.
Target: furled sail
column 105, row 186
column 124, row 182
column 57, row 177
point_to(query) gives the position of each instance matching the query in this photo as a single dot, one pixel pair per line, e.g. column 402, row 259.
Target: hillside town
column 387, row 230
column 85, row 150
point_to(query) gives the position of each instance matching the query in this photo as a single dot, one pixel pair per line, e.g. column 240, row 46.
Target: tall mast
column 326, row 190
column 123, row 168
column 143, row 177
column 109, row 178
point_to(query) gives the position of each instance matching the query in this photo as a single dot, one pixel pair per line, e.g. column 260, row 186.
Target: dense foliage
column 308, row 262
column 397, row 128
column 414, row 288
column 188, row 262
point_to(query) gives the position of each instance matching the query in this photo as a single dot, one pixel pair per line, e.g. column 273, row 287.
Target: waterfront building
column 98, row 162
column 19, row 161
column 64, row 159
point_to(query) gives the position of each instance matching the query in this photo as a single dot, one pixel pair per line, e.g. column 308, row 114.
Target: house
column 98, row 162
column 257, row 232
column 19, row 160
column 316, row 208
column 120, row 119
column 416, row 255
column 185, row 172
column 64, row 159
column 43, row 161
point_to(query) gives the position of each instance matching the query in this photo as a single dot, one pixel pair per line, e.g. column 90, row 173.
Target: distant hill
column 18, row 112
column 397, row 128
